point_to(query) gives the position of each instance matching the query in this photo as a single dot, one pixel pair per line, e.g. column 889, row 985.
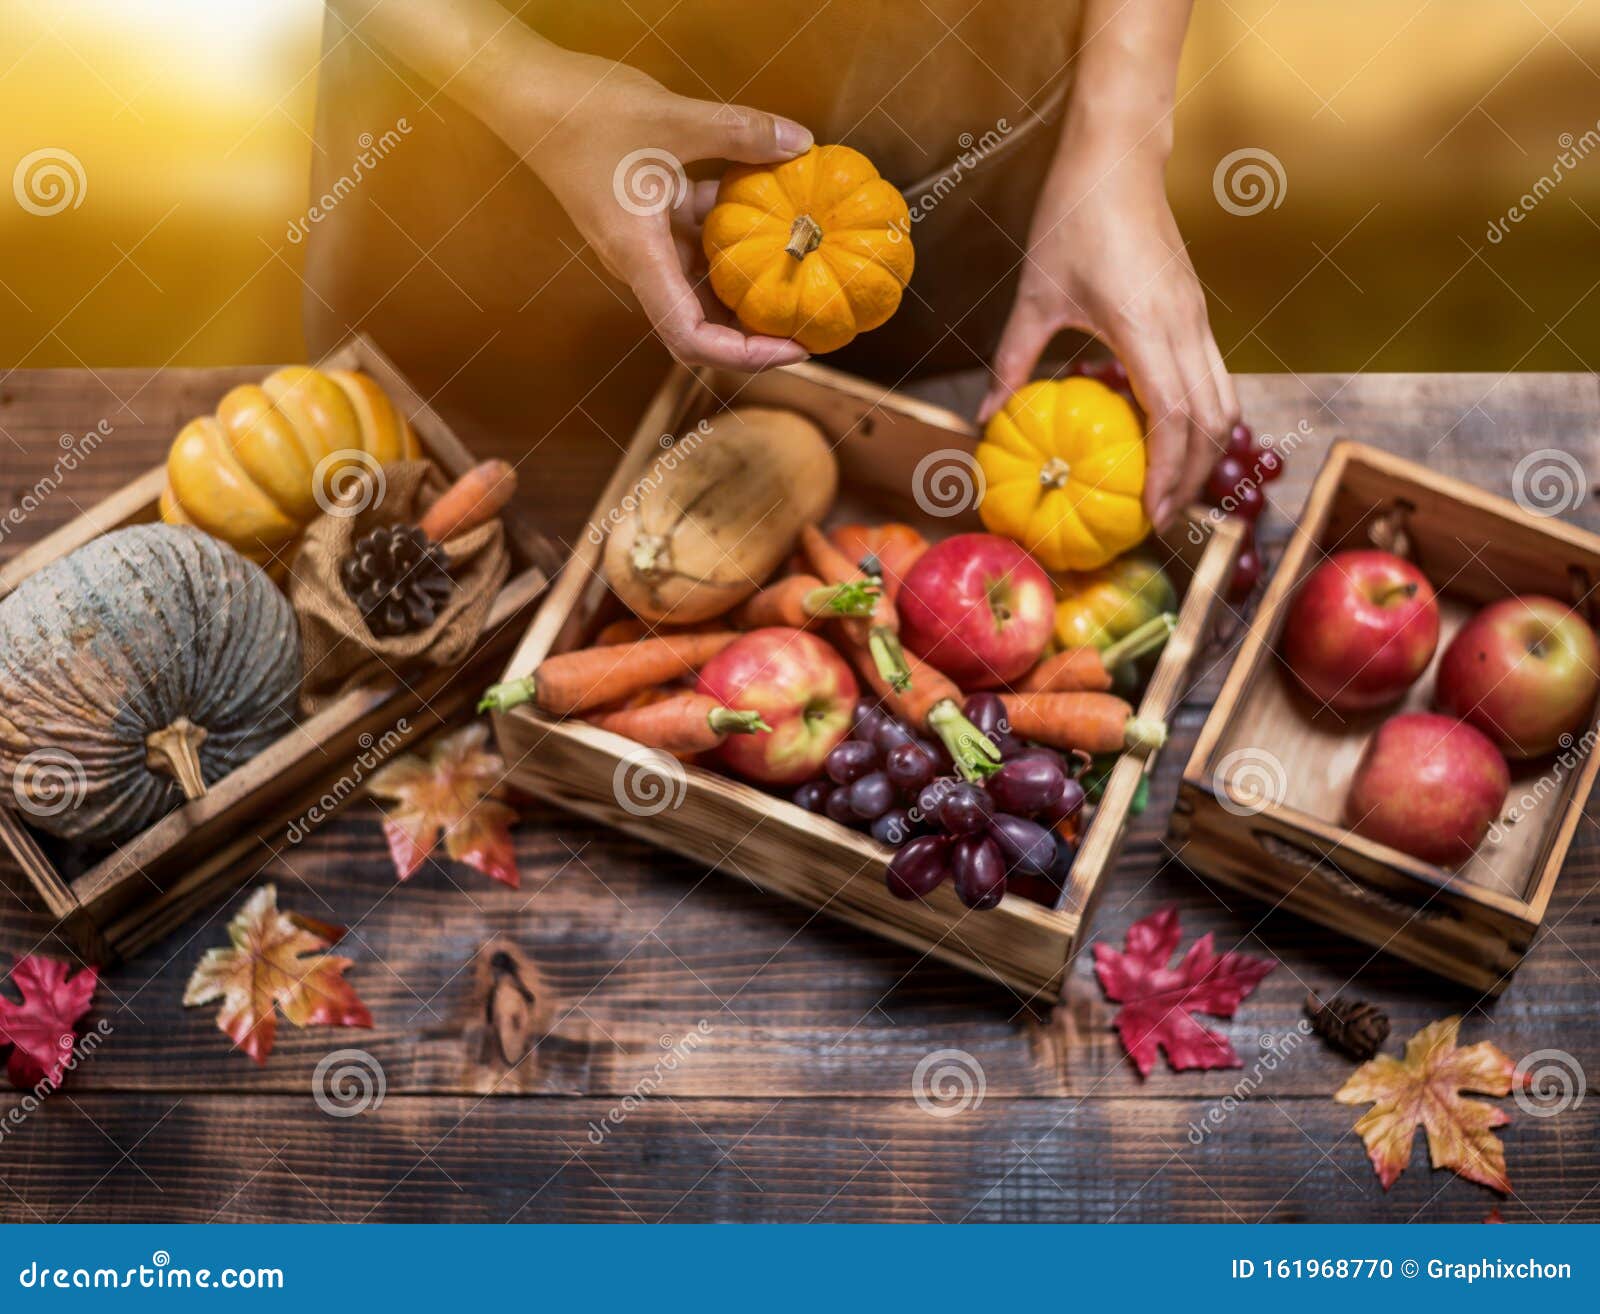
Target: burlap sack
column 340, row 652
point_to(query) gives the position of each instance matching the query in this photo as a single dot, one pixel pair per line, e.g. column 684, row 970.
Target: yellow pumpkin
column 1063, row 465
column 252, row 473
column 817, row 248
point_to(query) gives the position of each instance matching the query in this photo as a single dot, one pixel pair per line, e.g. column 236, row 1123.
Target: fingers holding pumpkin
column 1027, row 332
column 678, row 315
column 709, row 130
column 1177, row 386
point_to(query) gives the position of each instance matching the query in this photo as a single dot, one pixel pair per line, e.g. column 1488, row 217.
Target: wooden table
column 796, row 1100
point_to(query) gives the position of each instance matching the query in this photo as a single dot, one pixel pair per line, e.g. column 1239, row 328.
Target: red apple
column 1429, row 786
column 803, row 690
column 1361, row 629
column 978, row 607
column 1525, row 671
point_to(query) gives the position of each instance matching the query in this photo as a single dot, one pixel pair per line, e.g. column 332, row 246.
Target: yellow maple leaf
column 448, row 788
column 277, row 961
column 1425, row 1089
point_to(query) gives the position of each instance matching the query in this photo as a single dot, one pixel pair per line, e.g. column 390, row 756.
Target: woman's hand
column 615, row 162
column 1105, row 257
column 610, row 142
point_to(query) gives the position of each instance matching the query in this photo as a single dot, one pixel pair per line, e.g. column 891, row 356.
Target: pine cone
column 398, row 579
column 1356, row 1028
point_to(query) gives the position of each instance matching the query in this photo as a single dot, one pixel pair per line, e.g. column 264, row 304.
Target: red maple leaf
column 1156, row 999
column 40, row 1028
column 449, row 788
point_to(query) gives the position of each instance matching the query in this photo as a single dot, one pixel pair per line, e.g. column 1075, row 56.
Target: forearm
column 480, row 55
column 1125, row 80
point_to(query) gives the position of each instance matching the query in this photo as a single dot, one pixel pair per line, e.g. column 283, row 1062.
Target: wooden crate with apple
column 1335, row 776
column 887, row 448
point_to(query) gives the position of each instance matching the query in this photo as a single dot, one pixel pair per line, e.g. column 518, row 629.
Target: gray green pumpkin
column 137, row 671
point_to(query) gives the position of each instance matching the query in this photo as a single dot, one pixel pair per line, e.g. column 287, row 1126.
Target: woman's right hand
column 615, row 161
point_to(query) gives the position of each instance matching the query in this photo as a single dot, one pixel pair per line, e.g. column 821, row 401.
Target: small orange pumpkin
column 817, row 248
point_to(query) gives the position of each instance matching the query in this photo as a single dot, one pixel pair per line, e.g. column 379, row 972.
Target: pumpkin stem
column 805, row 236
column 1053, row 473
column 176, row 750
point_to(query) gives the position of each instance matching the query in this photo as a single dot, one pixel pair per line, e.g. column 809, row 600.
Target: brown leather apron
column 461, row 265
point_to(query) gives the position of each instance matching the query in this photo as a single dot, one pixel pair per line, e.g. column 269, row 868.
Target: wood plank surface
column 796, row 1099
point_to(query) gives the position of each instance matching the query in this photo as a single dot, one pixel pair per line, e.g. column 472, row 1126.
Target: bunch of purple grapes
column 989, row 838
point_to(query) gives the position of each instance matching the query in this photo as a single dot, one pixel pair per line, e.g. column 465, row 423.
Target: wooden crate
column 1261, row 797
column 879, row 439
column 122, row 900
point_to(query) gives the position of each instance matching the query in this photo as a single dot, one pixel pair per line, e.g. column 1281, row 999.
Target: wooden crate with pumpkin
column 706, row 528
column 149, row 728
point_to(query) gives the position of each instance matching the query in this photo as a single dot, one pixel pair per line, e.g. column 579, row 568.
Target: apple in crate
column 1429, row 786
column 803, row 689
column 1525, row 671
column 1362, row 627
column 979, row 608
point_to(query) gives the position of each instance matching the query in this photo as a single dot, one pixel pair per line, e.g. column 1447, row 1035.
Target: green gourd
column 136, row 672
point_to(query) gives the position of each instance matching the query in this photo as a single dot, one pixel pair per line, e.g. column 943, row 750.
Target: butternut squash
column 718, row 513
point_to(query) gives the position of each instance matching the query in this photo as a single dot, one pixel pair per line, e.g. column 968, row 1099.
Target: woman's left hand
column 1105, row 257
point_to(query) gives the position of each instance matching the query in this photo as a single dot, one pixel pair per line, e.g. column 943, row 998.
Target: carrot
column 800, row 600
column 591, row 677
column 878, row 633
column 1090, row 669
column 889, row 550
column 1093, row 722
column 474, row 499
column 623, row 630
column 931, row 701
column 684, row 723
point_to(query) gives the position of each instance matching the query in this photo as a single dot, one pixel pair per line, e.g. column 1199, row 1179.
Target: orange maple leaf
column 276, row 962
column 1425, row 1088
column 450, row 786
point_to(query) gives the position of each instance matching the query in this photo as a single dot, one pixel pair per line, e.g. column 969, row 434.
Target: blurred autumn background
column 1403, row 131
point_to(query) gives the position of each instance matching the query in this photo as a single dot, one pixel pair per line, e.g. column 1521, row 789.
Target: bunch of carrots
column 846, row 580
